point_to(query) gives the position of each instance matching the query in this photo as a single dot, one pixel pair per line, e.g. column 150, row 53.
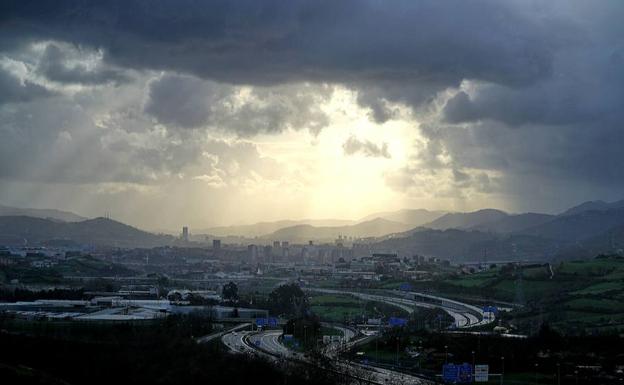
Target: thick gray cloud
column 182, row 100
column 15, row 90
column 433, row 42
column 85, row 138
column 354, row 146
column 53, row 65
column 190, row 102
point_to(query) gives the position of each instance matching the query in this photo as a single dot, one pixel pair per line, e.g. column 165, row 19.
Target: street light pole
column 377, row 347
column 473, row 365
column 558, row 373
column 502, row 369
column 446, row 354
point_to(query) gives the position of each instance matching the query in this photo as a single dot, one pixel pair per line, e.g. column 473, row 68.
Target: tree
column 230, row 291
column 289, row 300
column 305, row 329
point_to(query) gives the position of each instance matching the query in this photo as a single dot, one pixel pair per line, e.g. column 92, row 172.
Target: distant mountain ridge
column 58, row 215
column 98, row 231
column 593, row 206
column 583, row 231
column 513, row 223
column 466, row 220
column 372, row 228
column 577, row 227
column 413, row 217
column 408, row 217
column 463, row 245
column 263, row 228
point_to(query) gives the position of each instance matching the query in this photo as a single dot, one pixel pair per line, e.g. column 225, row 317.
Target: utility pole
column 377, row 346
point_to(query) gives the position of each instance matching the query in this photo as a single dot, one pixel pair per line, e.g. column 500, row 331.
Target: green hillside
column 577, row 295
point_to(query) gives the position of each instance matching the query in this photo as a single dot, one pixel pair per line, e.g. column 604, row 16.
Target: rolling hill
column 412, row 217
column 263, row 228
column 461, row 245
column 593, row 206
column 466, row 220
column 98, row 231
column 578, row 227
column 372, row 228
column 514, row 223
column 58, row 215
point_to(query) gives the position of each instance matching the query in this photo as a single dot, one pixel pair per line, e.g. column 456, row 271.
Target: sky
column 169, row 113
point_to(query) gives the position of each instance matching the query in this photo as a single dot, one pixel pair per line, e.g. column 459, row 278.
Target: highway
column 235, row 341
column 216, row 335
column 464, row 315
column 267, row 343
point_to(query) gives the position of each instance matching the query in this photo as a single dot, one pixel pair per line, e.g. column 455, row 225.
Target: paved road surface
column 235, row 342
column 465, row 315
column 268, row 342
column 216, row 335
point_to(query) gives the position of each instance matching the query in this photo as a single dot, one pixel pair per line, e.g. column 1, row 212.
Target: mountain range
column 412, row 217
column 371, row 228
column 99, row 232
column 594, row 206
column 465, row 220
column 263, row 228
column 58, row 215
column 590, row 227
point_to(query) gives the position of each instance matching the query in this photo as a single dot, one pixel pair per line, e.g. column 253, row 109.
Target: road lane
column 464, row 315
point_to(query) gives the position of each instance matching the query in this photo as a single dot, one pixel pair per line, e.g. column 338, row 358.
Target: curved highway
column 464, row 315
column 268, row 343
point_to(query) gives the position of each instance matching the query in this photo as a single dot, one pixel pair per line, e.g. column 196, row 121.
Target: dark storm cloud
column 354, row 146
column 181, row 100
column 53, row 65
column 190, row 102
column 438, row 43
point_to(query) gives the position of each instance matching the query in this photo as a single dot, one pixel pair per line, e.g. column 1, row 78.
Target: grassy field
column 336, row 308
column 339, row 308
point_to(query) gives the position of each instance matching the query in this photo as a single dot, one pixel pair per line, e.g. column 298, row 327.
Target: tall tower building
column 185, row 234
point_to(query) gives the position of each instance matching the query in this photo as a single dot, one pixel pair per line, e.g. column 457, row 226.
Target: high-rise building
column 216, row 244
column 252, row 253
column 185, row 234
column 268, row 254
